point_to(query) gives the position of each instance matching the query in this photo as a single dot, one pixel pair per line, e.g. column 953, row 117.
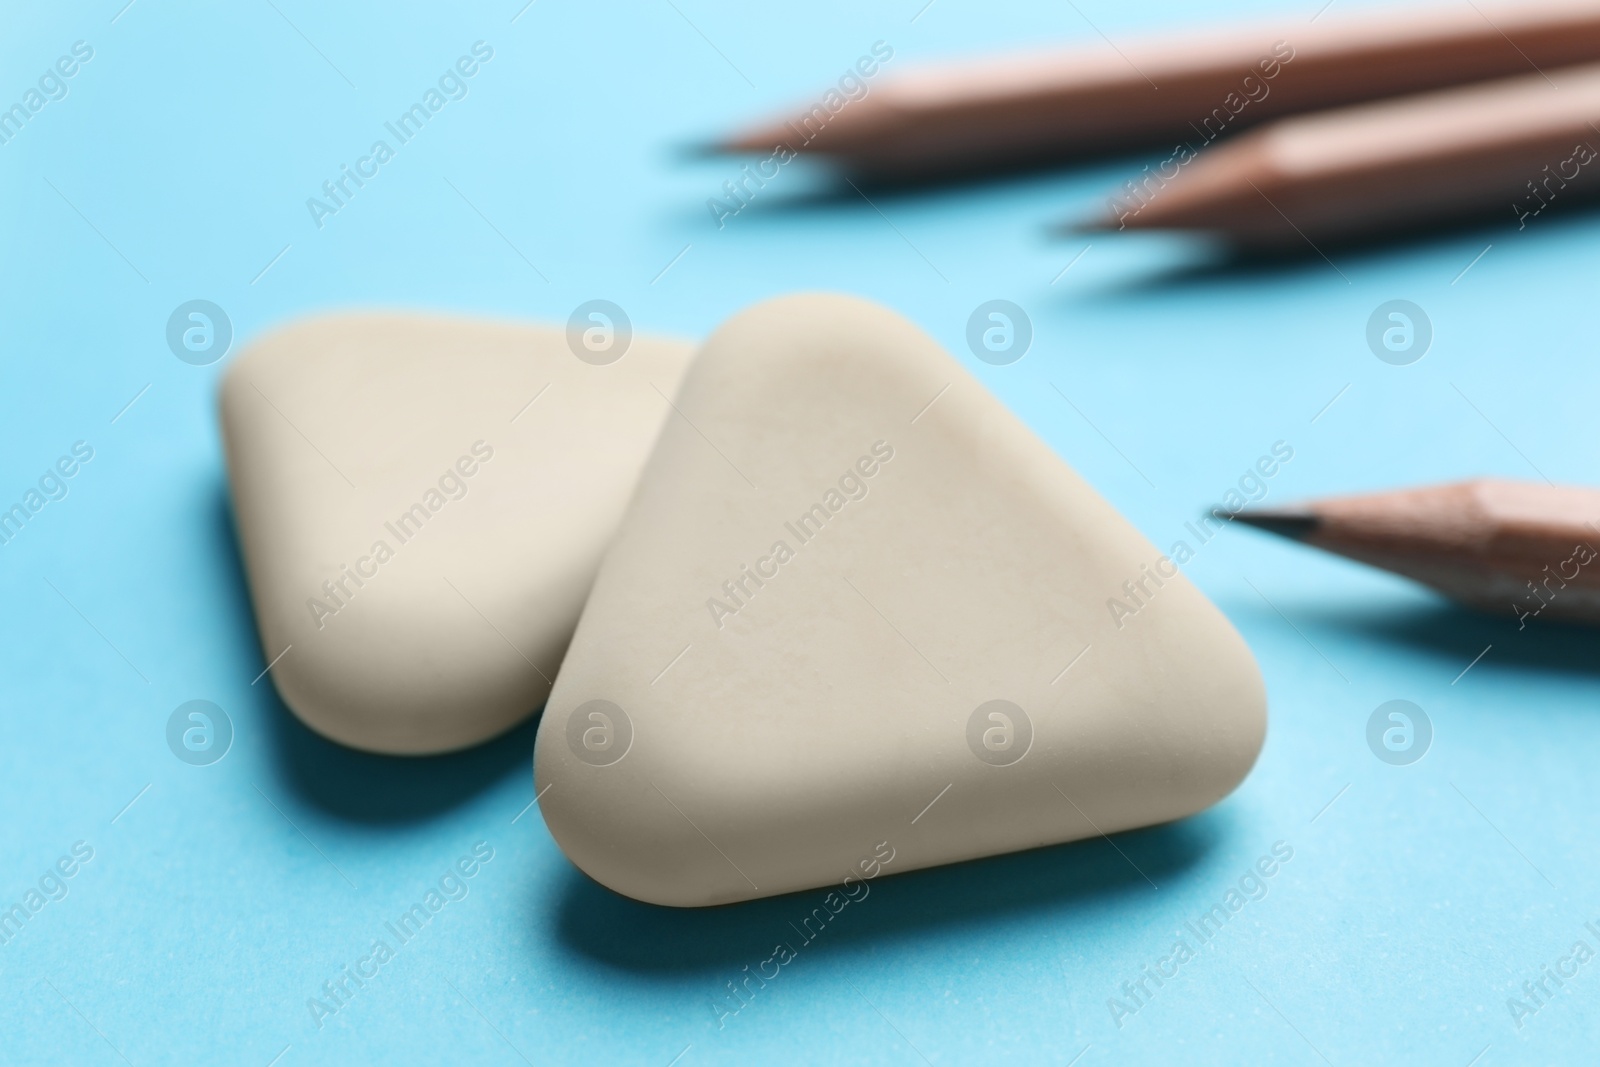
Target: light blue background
column 218, row 903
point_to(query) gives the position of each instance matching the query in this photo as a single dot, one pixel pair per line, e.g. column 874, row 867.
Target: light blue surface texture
column 220, row 898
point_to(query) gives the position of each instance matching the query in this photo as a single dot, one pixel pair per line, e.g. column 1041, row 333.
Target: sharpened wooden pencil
column 1523, row 548
column 1507, row 148
column 990, row 113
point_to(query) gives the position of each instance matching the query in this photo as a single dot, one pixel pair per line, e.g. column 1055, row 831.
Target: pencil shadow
column 1233, row 265
column 821, row 191
column 650, row 940
column 357, row 786
column 1456, row 636
column 838, row 179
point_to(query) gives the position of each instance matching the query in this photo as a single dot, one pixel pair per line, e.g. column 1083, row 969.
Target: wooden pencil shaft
column 1511, row 146
column 1189, row 87
column 1497, row 545
column 1478, row 518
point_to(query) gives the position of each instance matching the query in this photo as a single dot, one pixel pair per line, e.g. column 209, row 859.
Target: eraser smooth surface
column 422, row 503
column 856, row 605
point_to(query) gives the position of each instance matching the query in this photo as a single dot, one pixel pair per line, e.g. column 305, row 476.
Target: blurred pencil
column 1510, row 147
column 1526, row 547
column 1003, row 110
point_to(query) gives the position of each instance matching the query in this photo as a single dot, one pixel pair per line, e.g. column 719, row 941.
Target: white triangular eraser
column 856, row 621
column 422, row 504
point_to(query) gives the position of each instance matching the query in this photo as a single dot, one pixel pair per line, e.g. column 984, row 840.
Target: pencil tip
column 696, row 151
column 1295, row 525
column 1077, row 227
column 750, row 142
